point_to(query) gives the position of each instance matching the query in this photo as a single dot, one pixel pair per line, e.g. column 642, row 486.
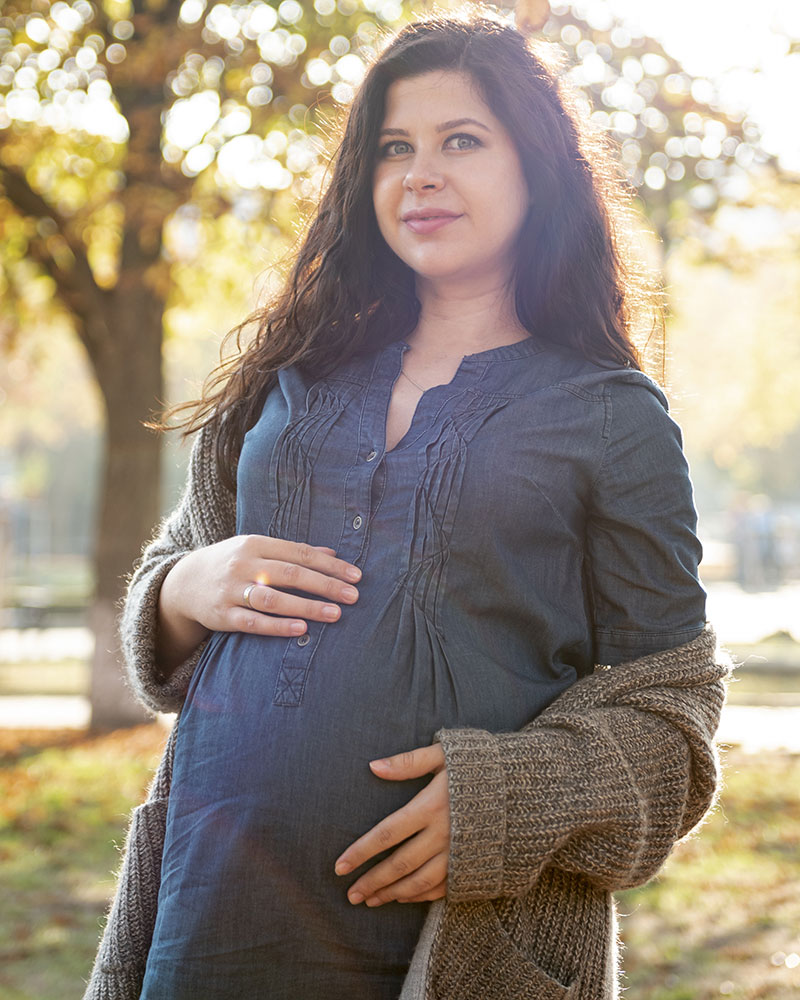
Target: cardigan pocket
column 476, row 958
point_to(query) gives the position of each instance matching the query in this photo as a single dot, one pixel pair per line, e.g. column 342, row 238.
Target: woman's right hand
column 205, row 591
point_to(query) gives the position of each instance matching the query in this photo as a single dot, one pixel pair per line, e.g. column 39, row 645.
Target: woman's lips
column 423, row 226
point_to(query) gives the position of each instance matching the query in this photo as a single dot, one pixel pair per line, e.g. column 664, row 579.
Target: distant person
column 765, row 531
column 432, row 494
column 756, row 543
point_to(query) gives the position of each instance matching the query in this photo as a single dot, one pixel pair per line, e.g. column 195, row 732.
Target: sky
column 741, row 45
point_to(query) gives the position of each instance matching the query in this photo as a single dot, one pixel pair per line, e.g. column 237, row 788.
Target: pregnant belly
column 263, row 801
column 294, row 779
column 376, row 685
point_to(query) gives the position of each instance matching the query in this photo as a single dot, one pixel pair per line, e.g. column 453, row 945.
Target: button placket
column 296, row 668
column 358, row 483
column 293, row 674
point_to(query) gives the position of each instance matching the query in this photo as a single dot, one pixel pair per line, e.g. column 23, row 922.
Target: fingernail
column 349, row 593
column 330, row 611
column 373, row 901
column 379, row 763
column 356, row 897
column 342, row 868
column 297, row 628
column 353, row 573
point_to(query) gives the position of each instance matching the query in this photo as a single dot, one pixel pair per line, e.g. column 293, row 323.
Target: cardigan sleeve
column 602, row 783
column 205, row 514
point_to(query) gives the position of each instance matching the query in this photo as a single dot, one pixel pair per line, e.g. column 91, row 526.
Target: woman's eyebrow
column 439, row 128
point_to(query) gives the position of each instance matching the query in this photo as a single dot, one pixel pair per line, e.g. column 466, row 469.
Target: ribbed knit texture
column 588, row 798
column 121, row 958
column 547, row 822
column 205, row 514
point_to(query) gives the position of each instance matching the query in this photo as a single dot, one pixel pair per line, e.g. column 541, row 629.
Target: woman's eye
column 470, row 140
column 462, row 141
column 388, row 148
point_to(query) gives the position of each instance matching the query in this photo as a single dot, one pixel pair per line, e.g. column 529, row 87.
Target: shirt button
column 357, row 521
column 372, row 456
column 304, row 640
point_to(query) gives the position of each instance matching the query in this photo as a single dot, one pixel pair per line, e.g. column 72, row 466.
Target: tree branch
column 76, row 285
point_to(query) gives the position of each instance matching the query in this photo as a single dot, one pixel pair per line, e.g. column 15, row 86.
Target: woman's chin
column 437, row 265
column 465, row 275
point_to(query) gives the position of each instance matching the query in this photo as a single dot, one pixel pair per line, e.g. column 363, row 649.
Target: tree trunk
column 129, row 372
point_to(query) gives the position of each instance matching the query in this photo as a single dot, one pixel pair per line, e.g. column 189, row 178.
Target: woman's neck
column 452, row 325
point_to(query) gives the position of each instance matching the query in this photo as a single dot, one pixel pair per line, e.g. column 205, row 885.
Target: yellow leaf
column 531, row 15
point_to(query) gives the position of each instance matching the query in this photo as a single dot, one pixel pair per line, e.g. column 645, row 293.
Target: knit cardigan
column 546, row 822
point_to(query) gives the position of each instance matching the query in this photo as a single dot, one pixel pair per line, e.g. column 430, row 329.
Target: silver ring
column 248, row 590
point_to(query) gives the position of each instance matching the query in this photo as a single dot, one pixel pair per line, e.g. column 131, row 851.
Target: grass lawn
column 64, row 802
column 723, row 917
column 722, row 920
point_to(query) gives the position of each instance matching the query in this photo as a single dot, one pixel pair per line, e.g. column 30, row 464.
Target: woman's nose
column 423, row 174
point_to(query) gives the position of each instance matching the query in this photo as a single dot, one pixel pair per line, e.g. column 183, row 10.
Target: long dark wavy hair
column 576, row 283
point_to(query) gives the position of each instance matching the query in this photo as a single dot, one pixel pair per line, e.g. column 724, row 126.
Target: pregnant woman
column 432, row 496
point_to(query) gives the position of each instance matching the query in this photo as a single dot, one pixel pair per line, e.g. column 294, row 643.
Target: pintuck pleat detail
column 296, row 451
column 436, row 500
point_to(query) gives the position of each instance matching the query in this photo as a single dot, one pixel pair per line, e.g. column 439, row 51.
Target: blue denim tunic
column 536, row 519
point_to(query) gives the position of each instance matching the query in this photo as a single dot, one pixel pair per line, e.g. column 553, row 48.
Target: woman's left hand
column 417, row 871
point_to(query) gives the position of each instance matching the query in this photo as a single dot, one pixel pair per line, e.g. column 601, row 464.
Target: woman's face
column 431, row 160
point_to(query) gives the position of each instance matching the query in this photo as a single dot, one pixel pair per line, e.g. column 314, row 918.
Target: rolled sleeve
column 642, row 546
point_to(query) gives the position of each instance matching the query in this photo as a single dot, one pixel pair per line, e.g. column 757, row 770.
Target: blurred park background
column 157, row 159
